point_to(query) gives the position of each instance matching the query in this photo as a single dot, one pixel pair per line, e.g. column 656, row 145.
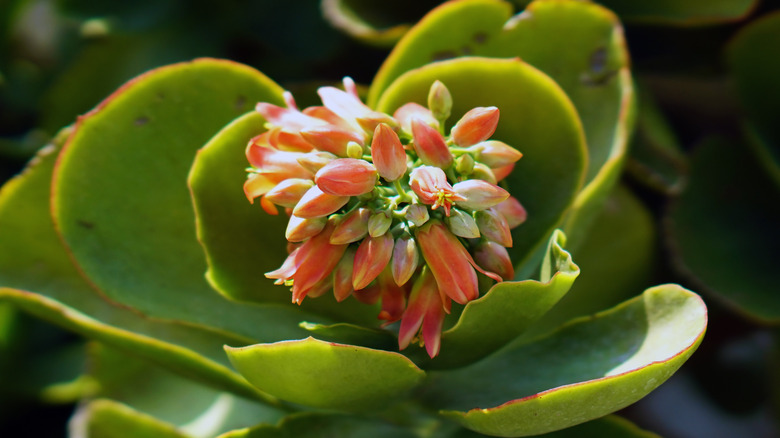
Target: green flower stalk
column 367, row 191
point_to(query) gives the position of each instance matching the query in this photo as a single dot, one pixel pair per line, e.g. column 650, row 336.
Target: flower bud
column 346, row 177
column 448, row 260
column 475, row 126
column 315, row 160
column 513, row 212
column 496, row 153
column 372, row 256
column 351, row 228
column 378, row 224
column 354, row 150
column 503, row 171
column 430, row 185
column 393, row 298
column 288, row 192
column 331, row 139
column 405, row 259
column 388, row 153
column 417, row 214
column 478, row 194
column 371, row 121
column 465, row 164
column 300, row 229
column 484, row 173
column 342, row 275
column 316, row 203
column 439, row 101
column 493, row 226
column 462, row 224
column 410, row 111
column 429, row 145
column 494, row 257
column 425, row 310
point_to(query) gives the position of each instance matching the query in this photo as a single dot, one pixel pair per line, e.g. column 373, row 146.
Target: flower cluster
column 387, row 208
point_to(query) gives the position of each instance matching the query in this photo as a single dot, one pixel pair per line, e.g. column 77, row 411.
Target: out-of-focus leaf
column 754, row 58
column 616, row 259
column 610, row 426
column 318, row 425
column 121, row 204
column 506, row 311
column 723, row 228
column 199, row 411
column 536, row 117
column 656, row 159
column 327, row 375
column 33, row 259
column 588, row 368
column 344, row 333
column 240, row 239
column 345, row 15
column 681, row 12
column 583, row 50
column 108, row 419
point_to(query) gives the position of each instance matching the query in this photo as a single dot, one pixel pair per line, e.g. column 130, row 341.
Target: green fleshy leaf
column 121, row 203
column 192, row 408
column 33, row 259
column 616, row 259
column 109, row 419
column 656, row 158
column 610, row 426
column 584, row 52
column 343, row 333
column 587, row 369
column 723, row 228
column 681, row 12
column 754, row 58
column 536, row 117
column 240, row 239
column 327, row 375
column 350, row 18
column 317, row 425
column 506, row 311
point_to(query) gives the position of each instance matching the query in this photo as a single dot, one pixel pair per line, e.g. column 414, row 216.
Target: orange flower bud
column 494, row 257
column 372, row 256
column 494, row 226
column 342, row 275
column 346, row 177
column 475, row 126
column 266, row 160
column 445, row 256
column 410, row 111
column 393, row 298
column 494, row 153
column 503, row 171
column 478, row 194
column 426, row 310
column 513, row 211
column 430, row 146
column 288, row 192
column 315, row 160
column 316, row 203
column 300, row 229
column 388, row 153
column 352, row 227
column 331, row 139
column 405, row 259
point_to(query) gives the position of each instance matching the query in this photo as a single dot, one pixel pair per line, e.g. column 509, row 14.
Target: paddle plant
column 371, row 266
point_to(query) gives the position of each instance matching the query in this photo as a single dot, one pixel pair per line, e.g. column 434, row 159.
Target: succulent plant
column 132, row 229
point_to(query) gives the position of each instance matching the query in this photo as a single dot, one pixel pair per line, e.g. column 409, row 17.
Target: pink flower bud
column 496, row 153
column 426, row 310
column 300, row 229
column 259, row 184
column 405, row 259
column 393, row 298
column 430, row 146
column 388, row 153
column 462, row 224
column 342, row 275
column 346, row 177
column 417, row 214
column 475, row 126
column 494, row 226
column 503, row 171
column 446, row 258
column 513, row 211
column 378, row 224
column 352, row 227
column 316, row 203
column 372, row 256
column 331, row 139
column 288, row 192
column 370, row 121
column 315, row 160
column 410, row 111
column 494, row 257
column 478, row 194
column 271, row 161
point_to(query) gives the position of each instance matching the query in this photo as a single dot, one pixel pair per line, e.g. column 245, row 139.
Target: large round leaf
column 327, row 375
column 240, row 239
column 681, row 12
column 723, row 228
column 121, row 203
column 536, row 117
column 320, row 424
column 587, row 369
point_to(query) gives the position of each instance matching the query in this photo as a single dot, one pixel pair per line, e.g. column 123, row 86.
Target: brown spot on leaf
column 85, row 224
column 240, row 103
column 141, row 121
column 443, row 54
column 466, row 50
column 480, row 37
column 598, row 60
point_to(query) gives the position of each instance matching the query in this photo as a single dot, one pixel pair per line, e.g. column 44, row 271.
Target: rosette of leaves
column 131, row 229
